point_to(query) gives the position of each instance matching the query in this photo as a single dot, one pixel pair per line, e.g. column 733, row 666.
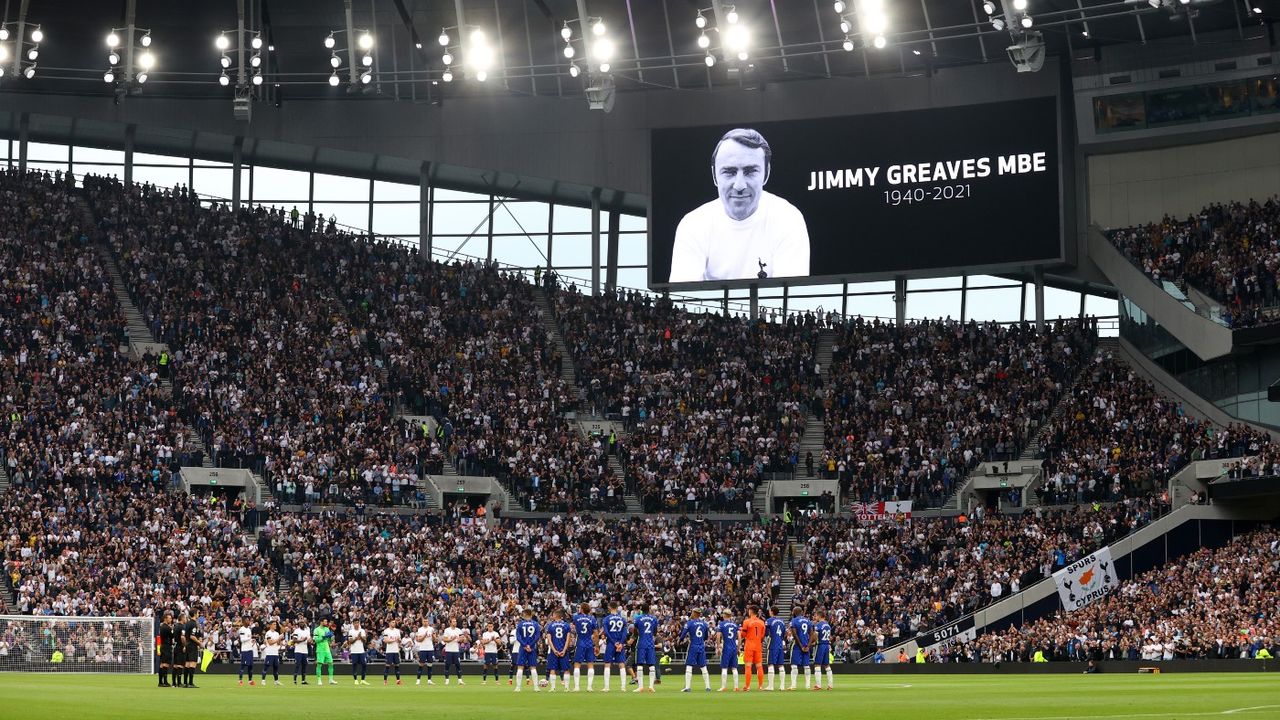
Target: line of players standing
column 570, row 644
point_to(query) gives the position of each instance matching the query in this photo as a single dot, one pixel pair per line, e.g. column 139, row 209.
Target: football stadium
column 620, row 358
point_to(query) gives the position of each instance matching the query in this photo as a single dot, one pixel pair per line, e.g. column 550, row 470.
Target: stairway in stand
column 546, row 312
column 814, row 440
column 787, row 581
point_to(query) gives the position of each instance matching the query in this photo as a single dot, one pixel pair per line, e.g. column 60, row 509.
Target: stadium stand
column 1225, row 250
column 1216, row 603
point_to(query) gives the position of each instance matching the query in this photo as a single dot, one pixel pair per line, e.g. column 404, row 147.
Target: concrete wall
column 1132, row 188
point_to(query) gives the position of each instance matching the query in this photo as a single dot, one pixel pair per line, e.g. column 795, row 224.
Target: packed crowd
column 72, row 405
column 1118, row 437
column 1212, row 604
column 387, row 568
column 105, row 548
column 910, row 411
column 709, row 402
column 882, row 583
column 1227, row 251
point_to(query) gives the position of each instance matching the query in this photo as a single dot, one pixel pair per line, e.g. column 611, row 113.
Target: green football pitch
column 924, row 697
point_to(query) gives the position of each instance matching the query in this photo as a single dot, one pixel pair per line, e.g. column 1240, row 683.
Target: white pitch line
column 1170, row 714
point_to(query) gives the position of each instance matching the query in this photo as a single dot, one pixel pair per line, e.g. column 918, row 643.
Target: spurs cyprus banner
column 1087, row 580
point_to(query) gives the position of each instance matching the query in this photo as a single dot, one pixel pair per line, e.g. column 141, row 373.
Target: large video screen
column 856, row 197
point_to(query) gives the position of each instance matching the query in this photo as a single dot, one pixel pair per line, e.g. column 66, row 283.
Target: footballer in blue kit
column 801, row 645
column 559, row 634
column 616, row 630
column 776, row 630
column 584, row 651
column 646, row 627
column 729, row 631
column 822, row 654
column 527, row 633
column 696, row 631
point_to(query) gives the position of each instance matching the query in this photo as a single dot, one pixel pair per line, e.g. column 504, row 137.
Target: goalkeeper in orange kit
column 752, row 644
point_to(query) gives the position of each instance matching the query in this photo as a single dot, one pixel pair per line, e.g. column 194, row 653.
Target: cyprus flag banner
column 1086, row 580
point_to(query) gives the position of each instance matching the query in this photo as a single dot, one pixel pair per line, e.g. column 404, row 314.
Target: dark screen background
column 1010, row 218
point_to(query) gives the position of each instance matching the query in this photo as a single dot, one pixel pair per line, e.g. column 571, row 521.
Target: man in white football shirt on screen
column 746, row 232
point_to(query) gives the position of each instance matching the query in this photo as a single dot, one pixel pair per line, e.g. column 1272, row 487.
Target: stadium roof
column 656, row 41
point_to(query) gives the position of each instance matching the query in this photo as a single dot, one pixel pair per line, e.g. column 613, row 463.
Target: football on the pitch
column 542, row 683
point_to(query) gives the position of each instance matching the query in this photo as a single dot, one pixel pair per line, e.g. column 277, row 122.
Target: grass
column 911, row 697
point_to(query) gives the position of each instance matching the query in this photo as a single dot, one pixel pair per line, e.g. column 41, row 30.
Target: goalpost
column 74, row 644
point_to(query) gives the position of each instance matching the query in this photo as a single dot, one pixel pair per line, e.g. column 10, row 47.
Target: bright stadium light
column 477, row 37
column 845, row 27
column 701, row 21
column 710, row 60
column 257, row 79
column 147, row 60
column 4, row 33
column 569, row 52
column 366, row 78
column 255, row 61
column 366, row 41
column 848, row 45
column 838, row 5
column 146, row 40
column 447, row 59
column 602, row 50
column 574, row 71
column 732, row 16
column 997, row 23
column 604, row 67
column 142, row 78
column 256, row 43
column 30, row 72
column 333, row 80
column 566, row 32
column 1027, row 22
column 32, row 54
column 108, row 76
column 989, row 7
column 880, row 42
column 223, row 80
column 447, row 77
column 335, row 62
column 1021, row 5
column 37, row 35
column 4, row 53
column 221, row 42
column 113, row 40
column 443, row 39
column 704, row 42
column 367, row 61
column 737, row 39
column 481, row 76
column 329, row 42
column 113, row 58
column 598, row 28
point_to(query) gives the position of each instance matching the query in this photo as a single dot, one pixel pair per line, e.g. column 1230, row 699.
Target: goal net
column 42, row 643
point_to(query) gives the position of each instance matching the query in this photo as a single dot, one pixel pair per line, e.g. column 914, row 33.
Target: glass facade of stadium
column 525, row 235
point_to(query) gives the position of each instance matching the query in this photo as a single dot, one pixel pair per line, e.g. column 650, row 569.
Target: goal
column 43, row 643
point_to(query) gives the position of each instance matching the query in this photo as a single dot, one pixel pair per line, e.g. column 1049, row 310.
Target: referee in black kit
column 165, row 646
column 191, row 646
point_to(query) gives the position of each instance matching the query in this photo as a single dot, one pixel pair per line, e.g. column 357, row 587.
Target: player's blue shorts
column 697, row 658
column 452, row 658
column 799, row 657
column 490, row 658
column 646, row 656
column 426, row 656
column 584, row 654
column 270, row 661
column 524, row 658
column 362, row 659
column 558, row 663
column 393, row 658
column 823, row 657
column 613, row 655
column 777, row 655
column 246, row 657
column 729, row 659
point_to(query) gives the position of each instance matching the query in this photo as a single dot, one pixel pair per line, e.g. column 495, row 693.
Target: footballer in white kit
column 391, row 649
column 272, row 642
column 424, row 640
column 357, row 637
